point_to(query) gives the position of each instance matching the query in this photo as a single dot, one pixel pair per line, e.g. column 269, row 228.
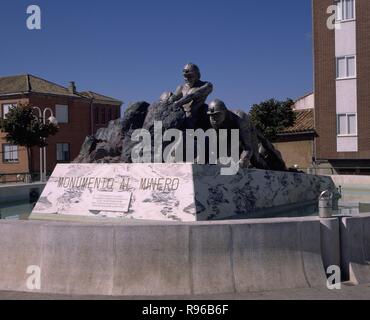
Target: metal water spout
column 326, row 204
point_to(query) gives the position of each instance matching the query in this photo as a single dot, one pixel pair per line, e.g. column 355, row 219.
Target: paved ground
column 347, row 292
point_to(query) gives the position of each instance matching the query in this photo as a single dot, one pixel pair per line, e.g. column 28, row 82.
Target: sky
column 135, row 49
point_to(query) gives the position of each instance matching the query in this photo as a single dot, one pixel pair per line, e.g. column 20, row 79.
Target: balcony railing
column 23, row 177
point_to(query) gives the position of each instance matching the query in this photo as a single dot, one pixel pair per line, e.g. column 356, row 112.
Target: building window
column 63, row 152
column 345, row 10
column 346, row 67
column 61, row 113
column 102, row 117
column 10, row 153
column 5, row 109
column 347, row 124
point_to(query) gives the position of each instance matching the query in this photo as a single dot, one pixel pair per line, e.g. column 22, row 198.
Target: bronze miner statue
column 192, row 95
column 182, row 110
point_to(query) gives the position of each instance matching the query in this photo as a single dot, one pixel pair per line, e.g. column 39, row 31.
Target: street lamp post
column 53, row 120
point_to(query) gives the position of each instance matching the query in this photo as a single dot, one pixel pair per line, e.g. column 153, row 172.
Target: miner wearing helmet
column 192, row 95
column 250, row 139
column 217, row 113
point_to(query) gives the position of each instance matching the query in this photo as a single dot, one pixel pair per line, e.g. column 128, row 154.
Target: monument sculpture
column 125, row 171
column 182, row 110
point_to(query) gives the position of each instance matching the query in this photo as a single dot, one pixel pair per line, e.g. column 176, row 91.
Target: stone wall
column 154, row 259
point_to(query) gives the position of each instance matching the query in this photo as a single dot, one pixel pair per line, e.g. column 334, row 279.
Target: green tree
column 272, row 116
column 24, row 128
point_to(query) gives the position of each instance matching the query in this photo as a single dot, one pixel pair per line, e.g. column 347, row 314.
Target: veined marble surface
column 250, row 190
column 172, row 192
column 170, row 198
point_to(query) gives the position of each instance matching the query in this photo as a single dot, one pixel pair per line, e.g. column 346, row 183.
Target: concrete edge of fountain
column 160, row 259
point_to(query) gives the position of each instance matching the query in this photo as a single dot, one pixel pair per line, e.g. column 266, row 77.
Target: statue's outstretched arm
column 202, row 91
column 177, row 95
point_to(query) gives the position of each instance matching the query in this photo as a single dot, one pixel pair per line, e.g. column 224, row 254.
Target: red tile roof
column 100, row 98
column 304, row 122
column 28, row 83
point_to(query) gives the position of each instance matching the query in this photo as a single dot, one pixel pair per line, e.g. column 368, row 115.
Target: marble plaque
column 111, row 201
column 133, row 191
column 174, row 192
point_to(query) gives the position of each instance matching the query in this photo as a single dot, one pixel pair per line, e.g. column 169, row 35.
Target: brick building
column 79, row 114
column 342, row 85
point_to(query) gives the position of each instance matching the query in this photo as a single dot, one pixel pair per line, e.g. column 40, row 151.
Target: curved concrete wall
column 330, row 242
column 19, row 191
column 355, row 248
column 163, row 259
